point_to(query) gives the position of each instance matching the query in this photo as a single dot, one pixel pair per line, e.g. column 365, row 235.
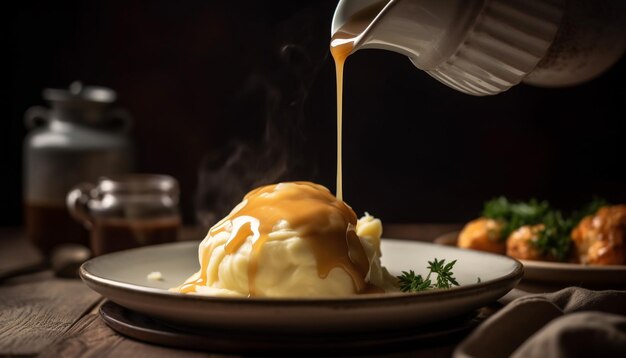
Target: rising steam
column 272, row 155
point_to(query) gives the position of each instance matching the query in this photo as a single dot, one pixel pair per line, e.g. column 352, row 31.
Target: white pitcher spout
column 358, row 19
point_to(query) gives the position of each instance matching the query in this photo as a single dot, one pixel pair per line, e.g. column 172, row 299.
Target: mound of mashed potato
column 291, row 240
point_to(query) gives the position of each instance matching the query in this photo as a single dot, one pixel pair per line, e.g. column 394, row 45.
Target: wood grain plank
column 35, row 312
column 91, row 337
column 17, row 255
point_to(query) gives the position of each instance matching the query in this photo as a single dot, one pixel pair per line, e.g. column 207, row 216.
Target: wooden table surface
column 44, row 315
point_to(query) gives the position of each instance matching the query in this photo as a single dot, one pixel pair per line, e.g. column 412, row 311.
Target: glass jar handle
column 77, row 203
column 36, row 116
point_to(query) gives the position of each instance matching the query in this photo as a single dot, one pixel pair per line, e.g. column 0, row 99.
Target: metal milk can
column 81, row 137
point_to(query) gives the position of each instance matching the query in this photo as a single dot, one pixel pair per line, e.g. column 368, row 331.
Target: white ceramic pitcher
column 484, row 47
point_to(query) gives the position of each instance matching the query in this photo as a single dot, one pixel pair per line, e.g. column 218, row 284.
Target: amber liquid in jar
column 49, row 226
column 116, row 234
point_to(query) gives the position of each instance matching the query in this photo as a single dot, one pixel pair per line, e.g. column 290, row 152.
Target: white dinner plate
column 613, row 276
column 122, row 278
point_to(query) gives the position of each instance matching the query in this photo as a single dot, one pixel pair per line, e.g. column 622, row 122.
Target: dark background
column 252, row 81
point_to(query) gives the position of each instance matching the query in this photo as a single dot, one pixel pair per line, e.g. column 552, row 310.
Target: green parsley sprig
column 554, row 240
column 514, row 215
column 410, row 282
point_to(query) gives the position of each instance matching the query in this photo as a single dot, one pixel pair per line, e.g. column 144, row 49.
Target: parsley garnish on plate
column 410, row 282
column 515, row 215
column 553, row 241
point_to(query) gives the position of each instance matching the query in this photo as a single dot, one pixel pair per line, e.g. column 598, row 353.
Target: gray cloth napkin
column 573, row 322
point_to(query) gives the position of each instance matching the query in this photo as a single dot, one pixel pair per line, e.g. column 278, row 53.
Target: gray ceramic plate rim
column 288, row 316
column 376, row 299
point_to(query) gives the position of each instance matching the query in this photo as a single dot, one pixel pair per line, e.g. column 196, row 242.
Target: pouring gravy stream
column 342, row 45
